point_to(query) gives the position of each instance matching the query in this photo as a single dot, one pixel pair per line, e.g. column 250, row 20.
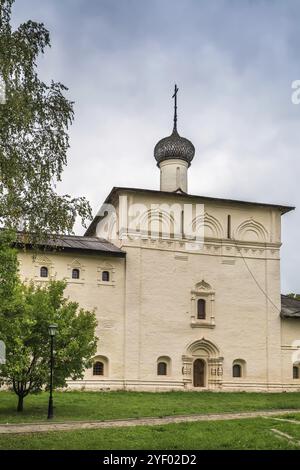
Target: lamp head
column 52, row 329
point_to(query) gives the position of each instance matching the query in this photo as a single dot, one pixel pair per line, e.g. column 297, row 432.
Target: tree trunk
column 20, row 403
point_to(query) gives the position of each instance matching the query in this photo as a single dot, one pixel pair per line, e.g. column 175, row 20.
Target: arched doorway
column 199, row 373
column 202, row 365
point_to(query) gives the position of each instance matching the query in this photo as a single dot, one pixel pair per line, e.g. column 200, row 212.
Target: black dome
column 174, row 147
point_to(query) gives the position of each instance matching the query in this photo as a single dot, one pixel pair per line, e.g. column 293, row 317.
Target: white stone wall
column 91, row 293
column 148, row 310
column 173, row 175
column 290, row 347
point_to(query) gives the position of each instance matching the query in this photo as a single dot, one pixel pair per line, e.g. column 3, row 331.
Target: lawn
column 238, row 434
column 117, row 405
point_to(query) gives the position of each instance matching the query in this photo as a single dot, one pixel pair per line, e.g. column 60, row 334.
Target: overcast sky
column 234, row 62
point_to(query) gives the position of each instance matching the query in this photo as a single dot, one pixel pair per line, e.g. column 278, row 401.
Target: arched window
column 161, row 368
column 236, row 370
column 105, row 276
column 75, row 273
column 98, row 368
column 201, row 309
column 296, row 372
column 44, row 271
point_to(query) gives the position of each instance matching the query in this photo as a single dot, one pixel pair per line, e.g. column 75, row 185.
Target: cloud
column 234, row 63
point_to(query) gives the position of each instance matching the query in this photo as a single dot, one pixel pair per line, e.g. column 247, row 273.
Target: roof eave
column 59, row 249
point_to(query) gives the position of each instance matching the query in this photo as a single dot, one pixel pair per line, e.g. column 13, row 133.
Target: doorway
column 199, row 373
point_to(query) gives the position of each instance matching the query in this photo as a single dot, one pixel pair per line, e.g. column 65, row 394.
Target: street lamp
column 52, row 331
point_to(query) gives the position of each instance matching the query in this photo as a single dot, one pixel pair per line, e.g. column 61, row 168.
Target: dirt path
column 72, row 425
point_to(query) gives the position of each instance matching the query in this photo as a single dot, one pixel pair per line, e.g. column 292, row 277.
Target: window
column 237, row 370
column 182, row 224
column 44, row 271
column 105, row 276
column 296, row 374
column 178, row 177
column 163, row 365
column 161, row 368
column 201, row 314
column 75, row 273
column 98, row 368
column 229, row 226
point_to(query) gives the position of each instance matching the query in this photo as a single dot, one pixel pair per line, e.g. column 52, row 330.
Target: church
column 186, row 288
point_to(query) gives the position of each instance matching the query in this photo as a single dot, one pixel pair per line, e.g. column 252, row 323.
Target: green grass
column 88, row 406
column 293, row 416
column 238, row 434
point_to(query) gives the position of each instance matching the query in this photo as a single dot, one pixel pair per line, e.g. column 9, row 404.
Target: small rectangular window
column 201, row 309
column 105, row 276
column 229, row 226
column 75, row 274
column 98, row 368
column 237, row 370
column 296, row 372
column 161, row 368
column 44, row 271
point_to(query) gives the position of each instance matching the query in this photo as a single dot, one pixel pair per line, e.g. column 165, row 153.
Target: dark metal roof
column 79, row 243
column 282, row 208
column 174, row 147
column 290, row 308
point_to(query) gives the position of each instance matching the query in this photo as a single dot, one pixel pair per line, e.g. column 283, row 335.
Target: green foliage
column 34, row 140
column 26, row 311
column 8, row 269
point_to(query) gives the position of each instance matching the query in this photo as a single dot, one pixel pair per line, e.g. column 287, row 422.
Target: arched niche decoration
column 157, row 223
column 208, row 226
column 252, row 231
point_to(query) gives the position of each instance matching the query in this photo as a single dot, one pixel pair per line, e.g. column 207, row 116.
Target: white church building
column 186, row 287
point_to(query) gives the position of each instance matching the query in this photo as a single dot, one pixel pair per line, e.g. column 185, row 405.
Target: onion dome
column 174, row 146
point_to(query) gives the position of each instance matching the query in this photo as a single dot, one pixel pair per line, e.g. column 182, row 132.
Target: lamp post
column 52, row 331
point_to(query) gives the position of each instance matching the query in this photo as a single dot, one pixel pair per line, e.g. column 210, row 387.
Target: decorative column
column 215, row 373
column 187, row 371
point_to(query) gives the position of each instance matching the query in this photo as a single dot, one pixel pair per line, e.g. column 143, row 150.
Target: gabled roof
column 290, row 308
column 79, row 243
column 115, row 190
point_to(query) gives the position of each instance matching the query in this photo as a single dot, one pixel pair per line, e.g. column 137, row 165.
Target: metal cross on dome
column 175, row 106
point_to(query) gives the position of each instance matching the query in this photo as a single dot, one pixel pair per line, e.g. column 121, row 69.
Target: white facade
column 147, row 310
column 173, row 175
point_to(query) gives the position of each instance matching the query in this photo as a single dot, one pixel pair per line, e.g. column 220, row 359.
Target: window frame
column 203, row 291
column 111, row 269
column 242, row 363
